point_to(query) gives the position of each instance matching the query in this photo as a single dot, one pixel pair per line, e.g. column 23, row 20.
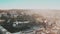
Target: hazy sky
column 30, row 4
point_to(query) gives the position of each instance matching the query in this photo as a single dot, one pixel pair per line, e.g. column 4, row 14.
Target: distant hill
column 46, row 13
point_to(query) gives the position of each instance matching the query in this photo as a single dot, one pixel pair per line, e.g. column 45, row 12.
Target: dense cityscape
column 17, row 21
